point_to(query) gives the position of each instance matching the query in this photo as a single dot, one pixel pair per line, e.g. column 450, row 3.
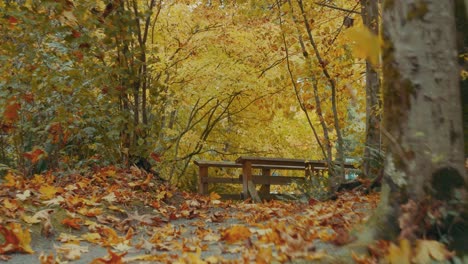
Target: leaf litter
column 127, row 216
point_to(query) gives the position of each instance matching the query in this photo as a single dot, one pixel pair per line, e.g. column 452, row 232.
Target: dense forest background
column 92, row 83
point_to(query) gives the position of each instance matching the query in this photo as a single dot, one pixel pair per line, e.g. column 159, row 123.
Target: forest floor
column 117, row 216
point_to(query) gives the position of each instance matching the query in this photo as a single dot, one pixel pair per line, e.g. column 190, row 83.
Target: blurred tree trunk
column 422, row 126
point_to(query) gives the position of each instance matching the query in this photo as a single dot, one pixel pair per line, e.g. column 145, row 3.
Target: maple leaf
column 10, row 114
column 71, row 251
column 92, row 237
column 23, row 196
column 16, row 239
column 10, row 180
column 35, row 155
column 214, row 196
column 47, row 259
column 399, row 254
column 90, row 212
column 48, row 192
column 72, row 222
column 68, row 238
column 193, row 258
column 235, row 234
column 56, row 201
column 112, row 258
column 264, row 255
column 428, row 250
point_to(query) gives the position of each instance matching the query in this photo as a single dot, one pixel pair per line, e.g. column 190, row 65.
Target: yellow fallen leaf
column 428, row 250
column 69, row 238
column 90, row 212
column 236, row 233
column 92, row 237
column 9, row 180
column 30, row 219
column 48, row 192
column 399, row 254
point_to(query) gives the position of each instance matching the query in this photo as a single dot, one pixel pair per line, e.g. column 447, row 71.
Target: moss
column 417, row 11
column 388, row 4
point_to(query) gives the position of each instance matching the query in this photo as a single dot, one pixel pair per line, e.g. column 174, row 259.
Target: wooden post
column 246, row 177
column 203, row 184
column 265, row 189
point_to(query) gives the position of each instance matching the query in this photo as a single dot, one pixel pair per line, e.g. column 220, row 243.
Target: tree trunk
column 422, row 124
column 372, row 164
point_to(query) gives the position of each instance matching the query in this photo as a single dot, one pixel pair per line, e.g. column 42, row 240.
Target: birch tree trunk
column 422, row 123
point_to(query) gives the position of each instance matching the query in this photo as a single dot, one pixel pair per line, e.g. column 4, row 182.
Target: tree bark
column 422, row 121
column 372, row 163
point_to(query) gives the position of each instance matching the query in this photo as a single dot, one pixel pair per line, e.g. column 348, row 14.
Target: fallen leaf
column 428, row 250
column 90, row 212
column 235, row 234
column 74, row 223
column 68, row 238
column 35, row 155
column 47, row 259
column 92, row 237
column 16, row 239
column 48, row 192
column 399, row 254
column 214, row 196
column 23, row 196
column 113, row 258
column 71, row 251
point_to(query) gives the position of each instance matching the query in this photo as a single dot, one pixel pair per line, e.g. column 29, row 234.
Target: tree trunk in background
column 423, row 134
column 372, row 162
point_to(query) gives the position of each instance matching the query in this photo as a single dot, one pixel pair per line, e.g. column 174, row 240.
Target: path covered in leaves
column 117, row 216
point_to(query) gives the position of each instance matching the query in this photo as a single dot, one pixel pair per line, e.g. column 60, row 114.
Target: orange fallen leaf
column 72, row 222
column 90, row 212
column 47, row 259
column 35, row 155
column 214, row 196
column 112, row 258
column 10, row 114
column 16, row 239
column 236, row 233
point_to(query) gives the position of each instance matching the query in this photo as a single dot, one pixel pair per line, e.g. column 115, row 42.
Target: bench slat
column 229, row 164
column 257, row 179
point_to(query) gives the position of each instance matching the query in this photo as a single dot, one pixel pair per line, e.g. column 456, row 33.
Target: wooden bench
column 264, row 178
column 248, row 163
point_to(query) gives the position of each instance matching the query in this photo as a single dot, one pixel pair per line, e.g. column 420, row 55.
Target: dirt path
column 109, row 218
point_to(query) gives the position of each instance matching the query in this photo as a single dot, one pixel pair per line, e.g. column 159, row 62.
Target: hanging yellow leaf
column 366, row 44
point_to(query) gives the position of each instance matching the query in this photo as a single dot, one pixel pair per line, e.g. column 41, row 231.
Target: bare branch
column 338, row 8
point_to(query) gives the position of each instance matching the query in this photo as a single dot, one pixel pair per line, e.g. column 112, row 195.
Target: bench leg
column 246, row 177
column 265, row 189
column 203, row 180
